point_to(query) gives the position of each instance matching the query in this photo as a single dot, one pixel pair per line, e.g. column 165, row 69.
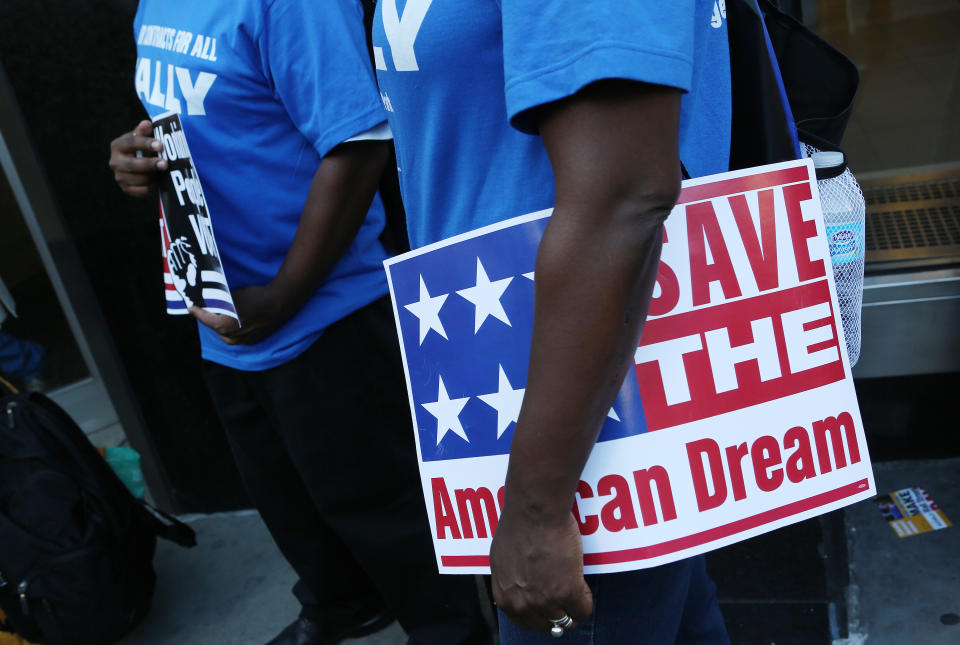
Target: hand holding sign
column 134, row 160
column 260, row 315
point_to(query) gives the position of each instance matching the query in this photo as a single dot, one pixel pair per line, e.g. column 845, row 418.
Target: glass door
column 42, row 344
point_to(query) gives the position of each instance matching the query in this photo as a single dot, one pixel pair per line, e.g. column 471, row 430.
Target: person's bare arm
column 614, row 151
column 339, row 198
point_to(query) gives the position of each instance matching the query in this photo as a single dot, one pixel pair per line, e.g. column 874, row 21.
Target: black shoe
column 304, row 631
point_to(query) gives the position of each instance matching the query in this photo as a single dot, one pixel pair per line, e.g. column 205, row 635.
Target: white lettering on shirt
column 402, row 32
column 194, row 92
column 178, row 40
column 719, row 14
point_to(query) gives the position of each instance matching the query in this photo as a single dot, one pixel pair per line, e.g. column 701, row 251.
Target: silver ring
column 560, row 625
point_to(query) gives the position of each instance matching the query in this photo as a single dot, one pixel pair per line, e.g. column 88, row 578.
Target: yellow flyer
column 911, row 511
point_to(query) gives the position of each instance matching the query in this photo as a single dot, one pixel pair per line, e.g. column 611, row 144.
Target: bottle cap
column 827, row 159
column 829, row 163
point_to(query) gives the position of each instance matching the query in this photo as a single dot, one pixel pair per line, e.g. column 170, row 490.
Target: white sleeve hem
column 381, row 132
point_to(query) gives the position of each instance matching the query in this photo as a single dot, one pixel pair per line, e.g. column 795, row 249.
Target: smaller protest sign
column 193, row 272
column 911, row 511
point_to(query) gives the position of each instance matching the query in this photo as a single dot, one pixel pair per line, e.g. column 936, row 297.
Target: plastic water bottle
column 844, row 213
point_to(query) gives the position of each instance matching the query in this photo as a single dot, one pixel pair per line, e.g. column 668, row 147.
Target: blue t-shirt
column 265, row 89
column 458, row 80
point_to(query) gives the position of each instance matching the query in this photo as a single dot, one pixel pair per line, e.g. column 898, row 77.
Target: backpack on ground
column 76, row 548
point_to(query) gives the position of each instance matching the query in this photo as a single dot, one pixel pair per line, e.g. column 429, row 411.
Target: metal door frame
column 60, row 258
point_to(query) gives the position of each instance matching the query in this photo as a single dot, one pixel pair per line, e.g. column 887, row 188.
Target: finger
column 248, row 335
column 132, row 142
column 579, row 605
column 557, row 617
column 506, row 602
column 207, row 318
column 144, row 128
column 547, row 617
column 217, row 322
column 236, row 334
column 125, row 161
column 521, row 615
column 134, row 178
column 129, row 163
column 136, row 191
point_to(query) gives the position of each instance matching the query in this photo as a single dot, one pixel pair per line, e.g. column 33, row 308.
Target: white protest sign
column 740, row 415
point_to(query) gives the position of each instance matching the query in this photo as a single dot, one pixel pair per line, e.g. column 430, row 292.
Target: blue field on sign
column 466, row 317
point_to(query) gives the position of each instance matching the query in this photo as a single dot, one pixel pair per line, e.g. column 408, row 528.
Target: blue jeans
column 672, row 604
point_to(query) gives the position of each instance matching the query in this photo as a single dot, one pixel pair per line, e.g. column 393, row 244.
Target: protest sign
column 740, row 414
column 193, row 272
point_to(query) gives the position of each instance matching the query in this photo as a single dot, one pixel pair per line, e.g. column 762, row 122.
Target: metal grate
column 912, row 191
column 913, row 219
column 913, row 228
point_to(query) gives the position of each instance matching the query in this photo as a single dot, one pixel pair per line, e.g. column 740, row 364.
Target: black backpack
column 76, row 548
column 788, row 86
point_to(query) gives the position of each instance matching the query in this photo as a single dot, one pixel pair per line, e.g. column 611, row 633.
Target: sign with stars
column 738, row 417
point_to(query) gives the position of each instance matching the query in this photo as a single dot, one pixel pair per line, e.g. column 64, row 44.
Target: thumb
column 144, row 128
column 216, row 322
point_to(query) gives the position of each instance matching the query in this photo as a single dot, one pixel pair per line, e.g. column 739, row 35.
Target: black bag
column 820, row 81
column 787, row 84
column 76, row 548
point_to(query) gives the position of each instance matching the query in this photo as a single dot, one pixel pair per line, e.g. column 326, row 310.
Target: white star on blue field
column 466, row 321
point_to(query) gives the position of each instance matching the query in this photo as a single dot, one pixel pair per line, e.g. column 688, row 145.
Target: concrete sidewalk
column 233, row 588
column 906, row 590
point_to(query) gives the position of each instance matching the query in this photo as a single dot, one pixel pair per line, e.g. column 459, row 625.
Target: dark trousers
column 673, row 604
column 325, row 448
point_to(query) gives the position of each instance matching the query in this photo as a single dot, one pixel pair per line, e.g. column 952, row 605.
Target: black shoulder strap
column 46, row 619
column 168, row 527
column 760, row 129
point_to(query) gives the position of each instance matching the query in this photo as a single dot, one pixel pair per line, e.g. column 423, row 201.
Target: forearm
column 594, row 278
column 613, row 147
column 340, row 196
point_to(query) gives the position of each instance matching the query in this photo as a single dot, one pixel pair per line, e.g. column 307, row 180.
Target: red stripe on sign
column 465, row 560
column 689, row 541
column 716, row 533
column 734, row 323
column 743, row 184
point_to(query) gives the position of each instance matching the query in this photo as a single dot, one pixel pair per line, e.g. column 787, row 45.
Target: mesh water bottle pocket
column 844, row 213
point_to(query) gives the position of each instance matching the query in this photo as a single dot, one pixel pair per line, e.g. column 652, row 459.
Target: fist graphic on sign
column 183, row 266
